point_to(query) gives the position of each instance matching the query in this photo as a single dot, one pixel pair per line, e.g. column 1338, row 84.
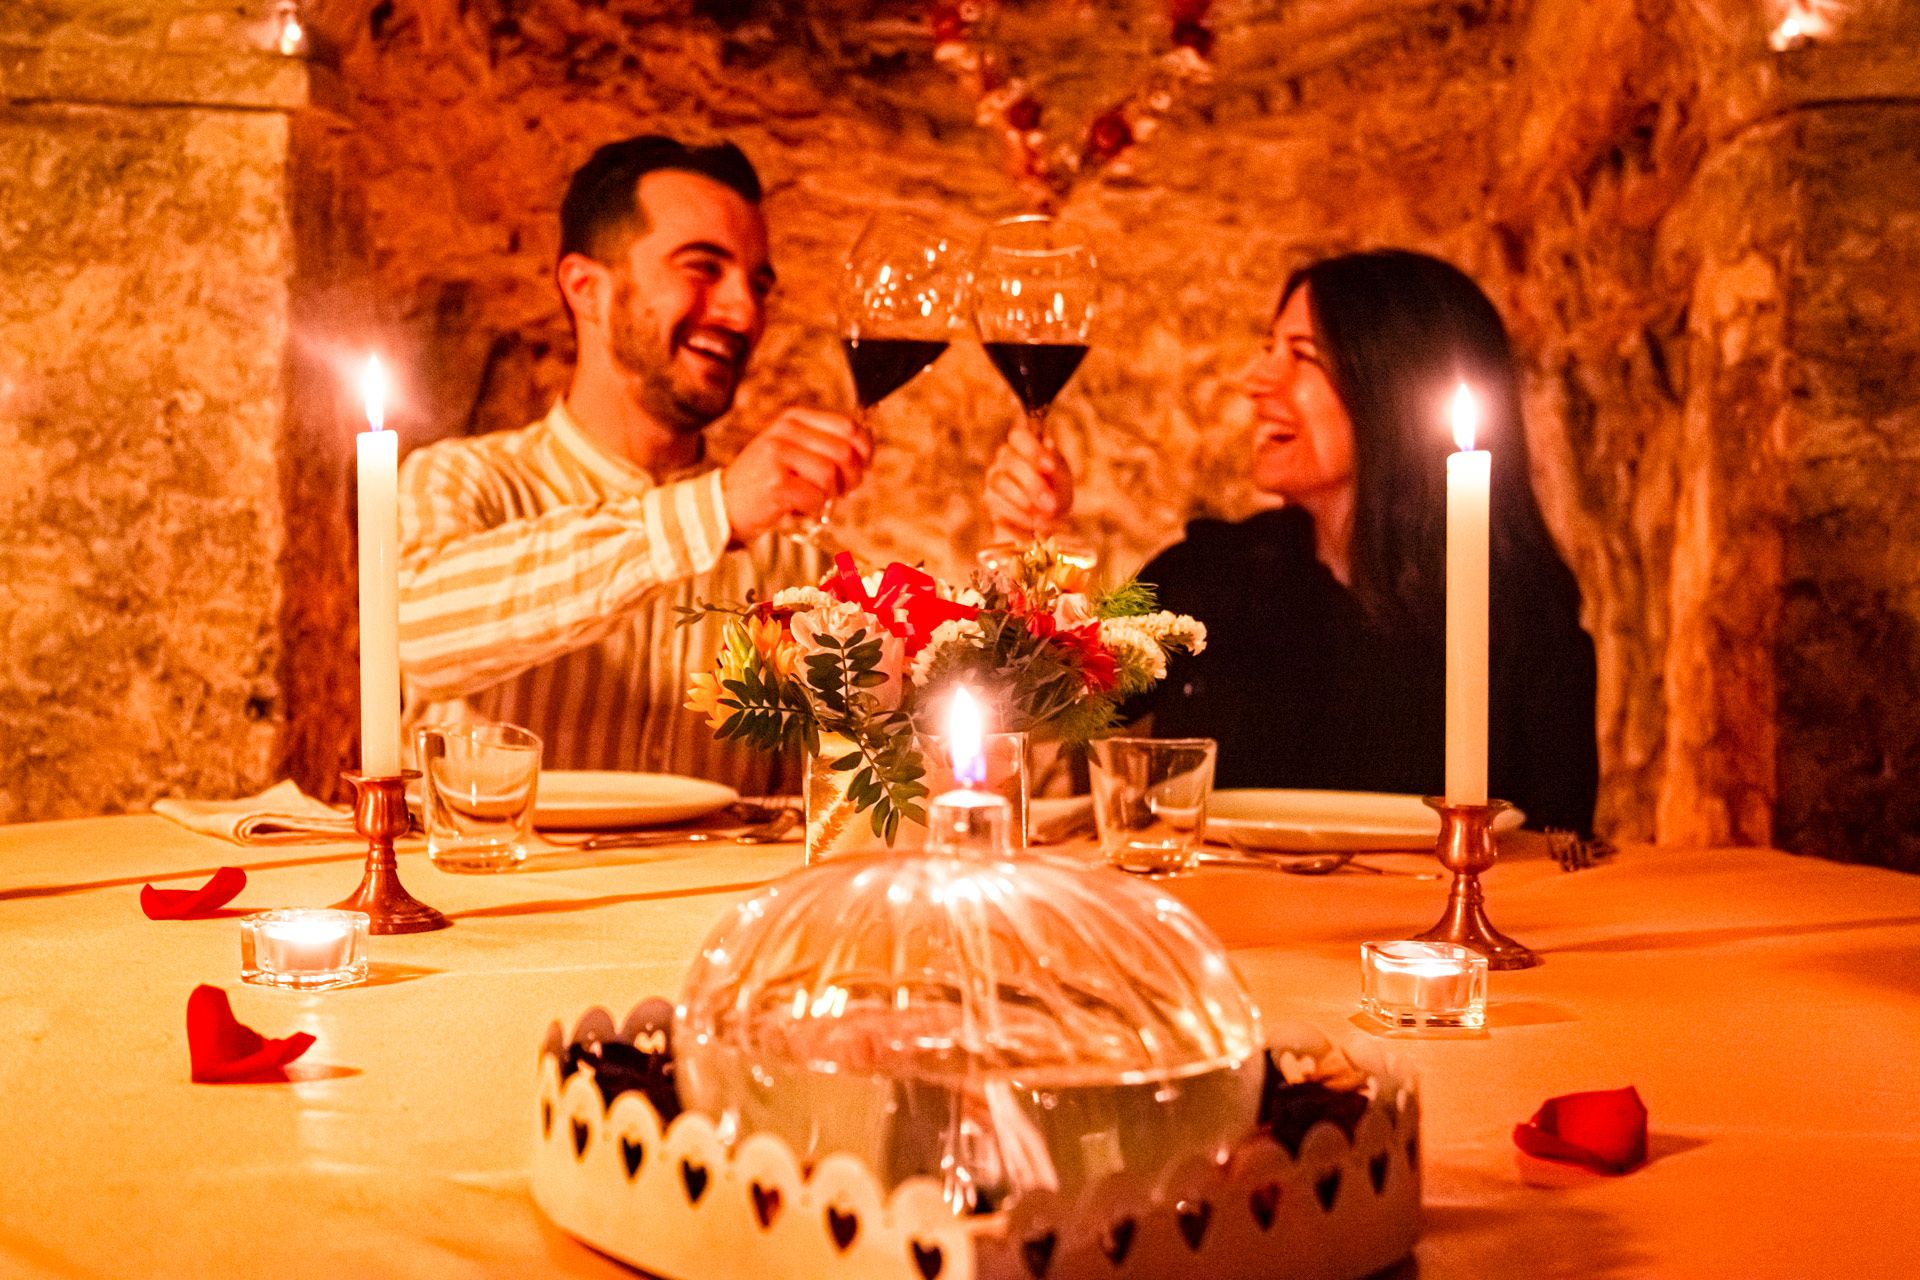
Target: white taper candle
column 378, row 466
column 1469, row 490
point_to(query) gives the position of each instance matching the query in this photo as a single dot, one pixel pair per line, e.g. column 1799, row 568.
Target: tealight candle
column 967, row 820
column 309, row 949
column 1423, row 984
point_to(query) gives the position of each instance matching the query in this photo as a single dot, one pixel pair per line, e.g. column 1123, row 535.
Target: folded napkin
column 194, row 904
column 225, row 1052
column 282, row 814
column 1605, row 1130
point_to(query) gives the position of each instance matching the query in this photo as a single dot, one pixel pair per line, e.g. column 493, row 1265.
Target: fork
column 1575, row 852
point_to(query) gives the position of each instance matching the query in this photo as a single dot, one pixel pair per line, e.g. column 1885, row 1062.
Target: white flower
column 1073, row 611
column 1171, row 630
column 1140, row 657
column 954, row 633
column 840, row 621
column 802, row 598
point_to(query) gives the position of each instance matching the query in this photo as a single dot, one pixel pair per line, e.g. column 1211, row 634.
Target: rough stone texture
column 1700, row 244
column 143, row 261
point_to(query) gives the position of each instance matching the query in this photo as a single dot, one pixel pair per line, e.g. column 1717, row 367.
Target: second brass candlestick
column 1466, row 848
column 380, row 814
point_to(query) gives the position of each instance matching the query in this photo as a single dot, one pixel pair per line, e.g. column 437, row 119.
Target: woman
column 1325, row 664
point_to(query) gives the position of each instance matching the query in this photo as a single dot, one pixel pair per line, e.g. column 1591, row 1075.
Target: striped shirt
column 539, row 575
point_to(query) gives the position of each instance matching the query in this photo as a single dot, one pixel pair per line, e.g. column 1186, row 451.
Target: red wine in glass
column 881, row 366
column 1036, row 370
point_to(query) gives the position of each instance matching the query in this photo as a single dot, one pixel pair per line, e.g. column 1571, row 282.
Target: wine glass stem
column 1037, row 423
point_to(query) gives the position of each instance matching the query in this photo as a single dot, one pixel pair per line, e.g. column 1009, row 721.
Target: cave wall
column 1699, row 241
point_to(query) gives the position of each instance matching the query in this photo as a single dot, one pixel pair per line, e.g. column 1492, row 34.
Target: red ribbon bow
column 1605, row 1130
column 908, row 602
column 194, row 904
column 225, row 1052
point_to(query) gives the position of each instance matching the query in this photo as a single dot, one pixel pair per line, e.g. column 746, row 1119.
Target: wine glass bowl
column 898, row 298
column 1036, row 291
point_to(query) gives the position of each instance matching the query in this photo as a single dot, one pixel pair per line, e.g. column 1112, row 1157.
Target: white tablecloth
column 1768, row 1008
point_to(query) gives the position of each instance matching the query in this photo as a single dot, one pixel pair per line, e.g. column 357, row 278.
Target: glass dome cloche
column 998, row 1022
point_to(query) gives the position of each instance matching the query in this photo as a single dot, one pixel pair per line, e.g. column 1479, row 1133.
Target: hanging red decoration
column 1010, row 106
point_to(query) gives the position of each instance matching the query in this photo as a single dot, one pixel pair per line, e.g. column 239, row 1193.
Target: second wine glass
column 1036, row 292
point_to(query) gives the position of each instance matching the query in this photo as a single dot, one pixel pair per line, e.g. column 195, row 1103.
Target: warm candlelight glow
column 373, row 391
column 1802, row 24
column 966, row 740
column 292, row 38
column 1464, row 413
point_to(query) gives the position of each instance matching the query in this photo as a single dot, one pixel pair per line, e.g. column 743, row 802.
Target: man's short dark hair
column 601, row 211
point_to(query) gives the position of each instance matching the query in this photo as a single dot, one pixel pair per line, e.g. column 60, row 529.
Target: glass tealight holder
column 307, row 949
column 1424, row 985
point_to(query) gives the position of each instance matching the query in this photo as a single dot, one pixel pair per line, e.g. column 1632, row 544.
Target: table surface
column 1767, row 1007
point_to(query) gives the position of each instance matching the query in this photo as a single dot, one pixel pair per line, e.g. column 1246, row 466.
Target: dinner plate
column 573, row 799
column 1312, row 821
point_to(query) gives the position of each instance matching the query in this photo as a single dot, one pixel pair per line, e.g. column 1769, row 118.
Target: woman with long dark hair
column 1325, row 663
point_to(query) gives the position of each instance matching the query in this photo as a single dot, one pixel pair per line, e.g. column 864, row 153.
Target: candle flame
column 292, row 40
column 373, row 390
column 1802, row 24
column 1465, row 413
column 966, row 736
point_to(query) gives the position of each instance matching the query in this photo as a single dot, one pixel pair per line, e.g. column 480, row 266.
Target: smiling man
column 541, row 568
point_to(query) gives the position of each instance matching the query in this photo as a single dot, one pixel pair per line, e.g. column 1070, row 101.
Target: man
column 540, row 569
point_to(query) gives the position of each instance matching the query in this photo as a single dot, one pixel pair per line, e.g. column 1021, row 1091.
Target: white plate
column 573, row 799
column 1310, row 821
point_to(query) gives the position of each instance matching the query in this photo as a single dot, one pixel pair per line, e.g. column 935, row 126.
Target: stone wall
column 1699, row 241
column 143, row 264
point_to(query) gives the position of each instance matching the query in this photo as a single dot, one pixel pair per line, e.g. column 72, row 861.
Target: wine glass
column 1036, row 291
column 1035, row 294
column 897, row 302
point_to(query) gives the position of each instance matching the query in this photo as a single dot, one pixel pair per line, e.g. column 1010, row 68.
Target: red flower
column 1194, row 36
column 1097, row 663
column 1023, row 114
column 908, row 602
column 1108, row 135
column 948, row 22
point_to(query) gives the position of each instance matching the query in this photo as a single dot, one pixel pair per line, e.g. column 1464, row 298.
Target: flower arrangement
column 858, row 663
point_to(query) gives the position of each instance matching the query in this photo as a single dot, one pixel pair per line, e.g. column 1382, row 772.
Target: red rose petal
column 1605, row 1130
column 223, row 1051
column 194, row 904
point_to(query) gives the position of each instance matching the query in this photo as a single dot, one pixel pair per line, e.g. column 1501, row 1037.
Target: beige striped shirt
column 539, row 575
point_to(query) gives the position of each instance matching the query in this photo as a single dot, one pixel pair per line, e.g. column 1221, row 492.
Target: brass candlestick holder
column 380, row 814
column 1466, row 848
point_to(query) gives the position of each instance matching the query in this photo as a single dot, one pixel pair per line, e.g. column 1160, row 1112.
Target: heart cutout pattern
column 766, row 1203
column 1037, row 1253
column 1263, row 1203
column 580, row 1139
column 843, row 1227
column 631, row 1154
column 1193, row 1217
column 1327, row 1189
column 929, row 1259
column 695, row 1178
column 1118, row 1242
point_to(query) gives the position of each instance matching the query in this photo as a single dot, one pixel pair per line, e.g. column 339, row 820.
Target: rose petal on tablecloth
column 194, row 904
column 225, row 1052
column 1604, row 1130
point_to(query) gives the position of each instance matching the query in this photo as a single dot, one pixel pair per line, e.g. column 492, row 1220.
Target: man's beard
column 682, row 403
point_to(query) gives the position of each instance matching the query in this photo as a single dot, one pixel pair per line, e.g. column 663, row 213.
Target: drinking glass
column 1150, row 801
column 897, row 302
column 477, row 790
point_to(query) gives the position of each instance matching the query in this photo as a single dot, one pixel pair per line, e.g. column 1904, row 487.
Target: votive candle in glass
column 1423, row 984
column 306, row 948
